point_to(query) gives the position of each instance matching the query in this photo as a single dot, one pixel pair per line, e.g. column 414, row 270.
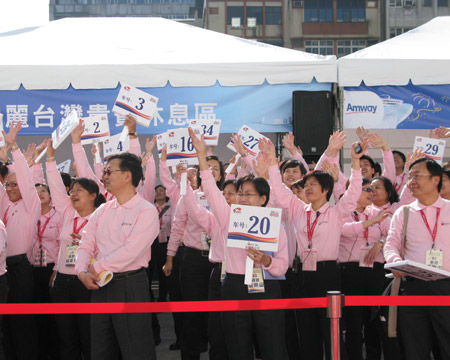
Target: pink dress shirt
column 418, row 238
column 327, row 232
column 235, row 258
column 119, row 237
column 37, row 173
column 50, row 237
column 299, row 157
column 165, row 222
column 2, row 248
column 65, row 209
column 148, row 188
column 172, row 188
column 21, row 216
column 400, row 181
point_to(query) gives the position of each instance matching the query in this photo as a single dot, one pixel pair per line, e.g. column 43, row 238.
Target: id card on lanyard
column 40, row 255
column 310, row 254
column 434, row 257
column 257, row 285
column 71, row 250
column 364, row 251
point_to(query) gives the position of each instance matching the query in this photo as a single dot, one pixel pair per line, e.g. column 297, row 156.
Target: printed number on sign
column 141, row 104
column 119, row 146
column 249, row 141
column 96, row 130
column 431, row 149
column 207, row 131
column 264, row 225
column 189, row 145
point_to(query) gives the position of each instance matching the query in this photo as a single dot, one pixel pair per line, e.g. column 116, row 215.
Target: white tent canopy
column 421, row 55
column 94, row 53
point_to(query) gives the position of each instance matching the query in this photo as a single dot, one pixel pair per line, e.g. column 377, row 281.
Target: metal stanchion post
column 334, row 313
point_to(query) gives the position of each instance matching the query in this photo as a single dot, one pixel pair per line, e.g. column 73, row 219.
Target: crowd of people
column 59, row 234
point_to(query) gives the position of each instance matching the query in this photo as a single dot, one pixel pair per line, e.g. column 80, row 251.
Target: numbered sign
column 161, row 140
column 211, row 130
column 96, row 129
column 2, row 138
column 254, row 226
column 202, row 201
column 179, row 147
column 64, row 166
column 65, row 128
column 136, row 102
column 250, row 139
column 432, row 148
column 113, row 145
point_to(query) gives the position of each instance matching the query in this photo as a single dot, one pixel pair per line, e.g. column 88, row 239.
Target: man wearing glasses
column 118, row 238
column 426, row 240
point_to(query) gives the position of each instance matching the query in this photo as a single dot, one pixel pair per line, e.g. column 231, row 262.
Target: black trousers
column 131, row 333
column 47, row 334
column 20, row 330
column 3, row 295
column 174, row 287
column 73, row 330
column 240, row 326
column 159, row 255
column 217, row 344
column 289, row 290
column 417, row 323
column 194, row 278
column 313, row 324
column 358, row 280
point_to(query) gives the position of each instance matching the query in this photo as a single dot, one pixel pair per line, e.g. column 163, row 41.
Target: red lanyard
column 311, row 230
column 160, row 218
column 398, row 186
column 41, row 233
column 433, row 234
column 366, row 230
column 5, row 216
column 75, row 222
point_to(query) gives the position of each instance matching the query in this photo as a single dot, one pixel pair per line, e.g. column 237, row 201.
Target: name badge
column 223, row 273
column 71, row 255
column 362, row 257
column 206, row 241
column 40, row 257
column 257, row 285
column 435, row 258
column 309, row 260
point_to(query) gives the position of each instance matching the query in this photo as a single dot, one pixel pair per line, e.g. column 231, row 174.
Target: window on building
column 345, row 47
column 351, row 11
column 395, row 3
column 397, row 31
column 273, row 15
column 318, row 10
column 235, row 12
column 297, row 43
column 426, row 2
column 322, row 47
column 255, row 12
column 442, row 2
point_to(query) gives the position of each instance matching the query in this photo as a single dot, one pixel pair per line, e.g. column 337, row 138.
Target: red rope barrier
column 207, row 306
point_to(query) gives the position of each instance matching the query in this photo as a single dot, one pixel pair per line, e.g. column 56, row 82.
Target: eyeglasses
column 368, row 189
column 246, row 195
column 417, row 176
column 76, row 191
column 108, row 172
column 11, row 185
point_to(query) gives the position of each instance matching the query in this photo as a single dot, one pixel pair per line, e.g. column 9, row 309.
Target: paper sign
column 161, row 140
column 64, row 166
column 136, row 102
column 211, row 130
column 2, row 138
column 65, row 128
column 418, row 270
column 113, row 145
column 250, row 140
column 254, row 226
column 202, row 201
column 433, row 148
column 179, row 147
column 96, row 128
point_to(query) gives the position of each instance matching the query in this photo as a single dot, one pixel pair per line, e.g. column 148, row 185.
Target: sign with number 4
column 254, row 226
column 250, row 140
column 113, row 145
column 432, row 148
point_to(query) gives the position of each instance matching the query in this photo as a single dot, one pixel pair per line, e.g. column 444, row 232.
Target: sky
column 17, row 14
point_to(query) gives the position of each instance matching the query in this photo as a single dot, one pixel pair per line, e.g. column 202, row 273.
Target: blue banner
column 265, row 108
column 397, row 107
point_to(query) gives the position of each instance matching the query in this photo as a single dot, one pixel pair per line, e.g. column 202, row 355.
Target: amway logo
column 362, row 108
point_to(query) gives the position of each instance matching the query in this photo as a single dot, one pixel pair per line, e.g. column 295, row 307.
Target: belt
column 15, row 259
column 204, row 253
column 127, row 274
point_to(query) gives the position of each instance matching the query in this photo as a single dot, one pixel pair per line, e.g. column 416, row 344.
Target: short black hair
column 299, row 184
column 261, row 185
column 66, row 178
column 222, row 173
column 132, row 163
column 433, row 167
column 325, row 180
column 230, row 182
column 292, row 163
column 369, row 159
column 399, row 153
column 378, row 169
column 45, row 186
column 390, row 189
column 4, row 171
column 161, row 186
column 92, row 188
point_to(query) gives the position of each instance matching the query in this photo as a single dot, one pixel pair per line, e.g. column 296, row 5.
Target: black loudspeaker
column 312, row 114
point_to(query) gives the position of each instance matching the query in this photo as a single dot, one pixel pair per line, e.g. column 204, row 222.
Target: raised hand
column 50, row 151
column 199, row 144
column 364, row 146
column 410, row 158
column 332, row 169
column 378, row 142
column 77, row 132
column 266, row 146
column 164, row 153
column 29, row 154
column 441, row 132
column 238, row 145
column 10, row 138
column 361, row 132
column 4, row 153
column 150, row 144
column 335, row 143
column 261, row 165
column 130, row 122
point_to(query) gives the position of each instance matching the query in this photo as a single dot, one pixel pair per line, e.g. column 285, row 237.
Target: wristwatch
column 133, row 134
column 383, row 241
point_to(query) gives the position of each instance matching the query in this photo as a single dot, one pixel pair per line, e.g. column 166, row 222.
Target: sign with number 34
column 254, row 226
